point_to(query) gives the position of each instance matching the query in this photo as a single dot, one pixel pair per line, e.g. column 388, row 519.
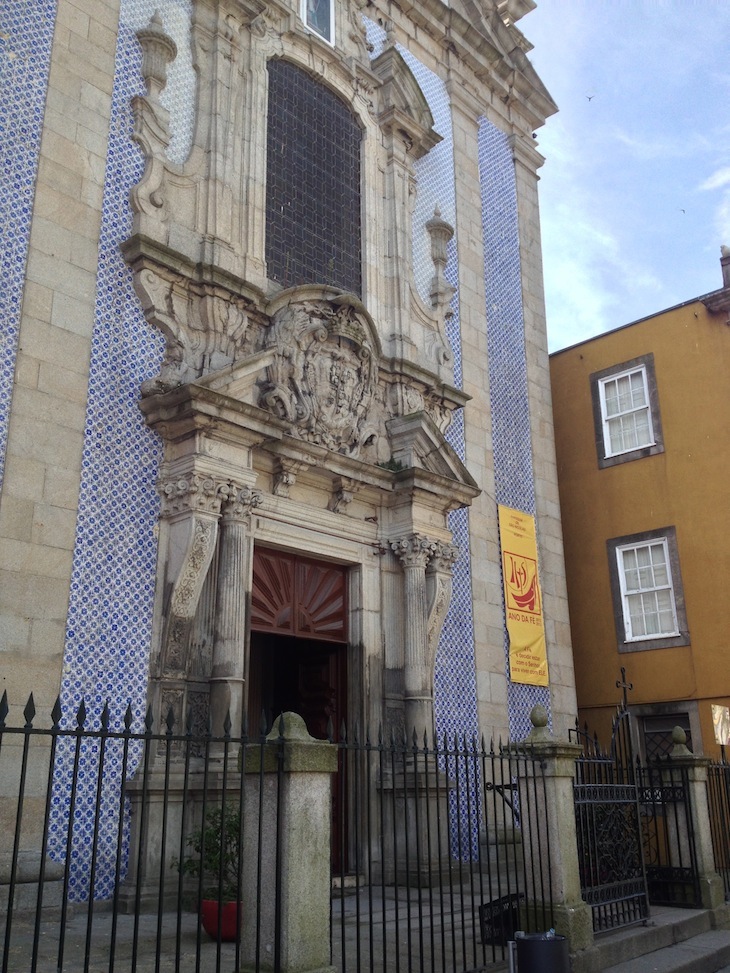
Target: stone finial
column 441, row 233
column 725, row 265
column 158, row 50
column 539, row 719
column 679, row 739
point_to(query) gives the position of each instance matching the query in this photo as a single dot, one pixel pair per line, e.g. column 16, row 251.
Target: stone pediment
column 402, row 104
column 480, row 25
column 417, row 443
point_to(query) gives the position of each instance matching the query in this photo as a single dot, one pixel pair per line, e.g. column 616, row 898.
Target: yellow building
column 642, row 428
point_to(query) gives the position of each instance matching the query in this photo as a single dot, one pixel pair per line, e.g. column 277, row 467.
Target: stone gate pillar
column 288, row 802
column 694, row 821
column 550, row 830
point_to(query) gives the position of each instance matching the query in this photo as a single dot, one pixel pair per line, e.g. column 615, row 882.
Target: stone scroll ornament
column 324, row 375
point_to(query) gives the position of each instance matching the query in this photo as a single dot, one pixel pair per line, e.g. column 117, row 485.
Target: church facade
column 273, row 354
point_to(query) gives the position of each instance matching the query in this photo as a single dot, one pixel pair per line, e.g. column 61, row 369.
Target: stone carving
column 194, row 492
column 205, row 327
column 438, row 588
column 185, row 594
column 324, row 375
column 414, row 550
column 151, row 121
column 240, row 502
column 285, row 476
column 343, row 492
column 441, row 233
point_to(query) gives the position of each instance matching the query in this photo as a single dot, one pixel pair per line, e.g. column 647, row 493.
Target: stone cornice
column 498, row 61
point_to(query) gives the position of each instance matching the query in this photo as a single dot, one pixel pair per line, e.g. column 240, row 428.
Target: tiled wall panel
column 510, row 409
column 112, row 588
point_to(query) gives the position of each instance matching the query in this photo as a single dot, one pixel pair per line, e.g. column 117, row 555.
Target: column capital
column 414, row 550
column 238, row 502
column 193, row 492
column 443, row 558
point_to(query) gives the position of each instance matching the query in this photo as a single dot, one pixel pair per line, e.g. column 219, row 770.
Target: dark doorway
column 298, row 656
column 297, row 675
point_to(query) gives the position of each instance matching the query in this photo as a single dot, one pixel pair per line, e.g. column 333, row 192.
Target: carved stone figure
column 324, row 375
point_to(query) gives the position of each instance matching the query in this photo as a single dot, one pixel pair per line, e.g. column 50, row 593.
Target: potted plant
column 215, row 861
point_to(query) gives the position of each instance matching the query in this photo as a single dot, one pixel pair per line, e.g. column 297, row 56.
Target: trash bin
column 542, row 952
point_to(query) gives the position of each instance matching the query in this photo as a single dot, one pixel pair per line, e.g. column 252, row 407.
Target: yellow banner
column 523, row 598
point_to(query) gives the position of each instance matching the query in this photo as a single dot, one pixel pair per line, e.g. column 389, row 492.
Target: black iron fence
column 608, row 827
column 718, row 799
column 119, row 835
column 636, row 830
column 668, row 830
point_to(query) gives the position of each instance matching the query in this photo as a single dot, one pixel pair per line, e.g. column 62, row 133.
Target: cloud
column 717, row 180
column 663, row 146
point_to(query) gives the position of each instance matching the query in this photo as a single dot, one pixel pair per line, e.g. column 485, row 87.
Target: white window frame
column 304, row 14
column 631, row 411
column 647, row 591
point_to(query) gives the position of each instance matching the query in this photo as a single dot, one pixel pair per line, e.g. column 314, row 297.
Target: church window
column 319, row 16
column 313, row 198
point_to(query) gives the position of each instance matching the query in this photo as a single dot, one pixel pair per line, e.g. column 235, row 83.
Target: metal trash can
column 542, row 952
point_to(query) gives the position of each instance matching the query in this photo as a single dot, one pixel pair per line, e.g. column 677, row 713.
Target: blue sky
column 635, row 192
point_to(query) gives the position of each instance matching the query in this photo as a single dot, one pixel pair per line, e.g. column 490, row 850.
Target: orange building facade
column 642, row 427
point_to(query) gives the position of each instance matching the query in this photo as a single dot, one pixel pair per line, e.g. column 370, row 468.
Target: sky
column 635, row 190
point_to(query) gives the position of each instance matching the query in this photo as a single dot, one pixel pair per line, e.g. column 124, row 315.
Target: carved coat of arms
column 324, row 375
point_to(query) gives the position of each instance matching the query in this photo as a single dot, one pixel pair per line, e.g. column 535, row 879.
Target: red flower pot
column 230, row 916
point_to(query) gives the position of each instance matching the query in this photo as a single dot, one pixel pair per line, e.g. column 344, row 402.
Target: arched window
column 313, row 223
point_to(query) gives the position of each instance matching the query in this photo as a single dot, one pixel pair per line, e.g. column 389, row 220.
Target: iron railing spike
column 263, row 724
column 56, row 713
column 105, row 716
column 29, row 712
column 4, row 708
column 170, row 720
column 128, row 717
column 80, row 714
column 343, row 732
column 330, row 729
column 149, row 719
column 414, row 738
column 356, row 734
column 282, row 726
column 189, row 722
column 227, row 724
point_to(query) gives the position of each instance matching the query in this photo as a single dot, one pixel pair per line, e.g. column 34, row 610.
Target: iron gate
column 608, row 826
column 635, row 830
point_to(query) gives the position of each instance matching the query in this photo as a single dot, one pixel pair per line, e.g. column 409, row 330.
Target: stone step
column 707, row 952
column 666, row 930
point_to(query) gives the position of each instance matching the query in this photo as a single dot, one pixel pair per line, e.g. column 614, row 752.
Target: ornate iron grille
column 670, row 856
column 613, row 880
column 313, row 223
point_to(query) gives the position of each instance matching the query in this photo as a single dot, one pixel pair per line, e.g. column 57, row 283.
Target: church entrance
column 298, row 656
column 296, row 675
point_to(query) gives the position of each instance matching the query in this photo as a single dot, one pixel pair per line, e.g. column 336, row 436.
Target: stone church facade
column 273, row 351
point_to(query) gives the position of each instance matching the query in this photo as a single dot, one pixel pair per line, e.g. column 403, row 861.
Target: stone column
column 229, row 665
column 694, row 773
column 415, row 552
column 550, row 830
column 289, row 800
